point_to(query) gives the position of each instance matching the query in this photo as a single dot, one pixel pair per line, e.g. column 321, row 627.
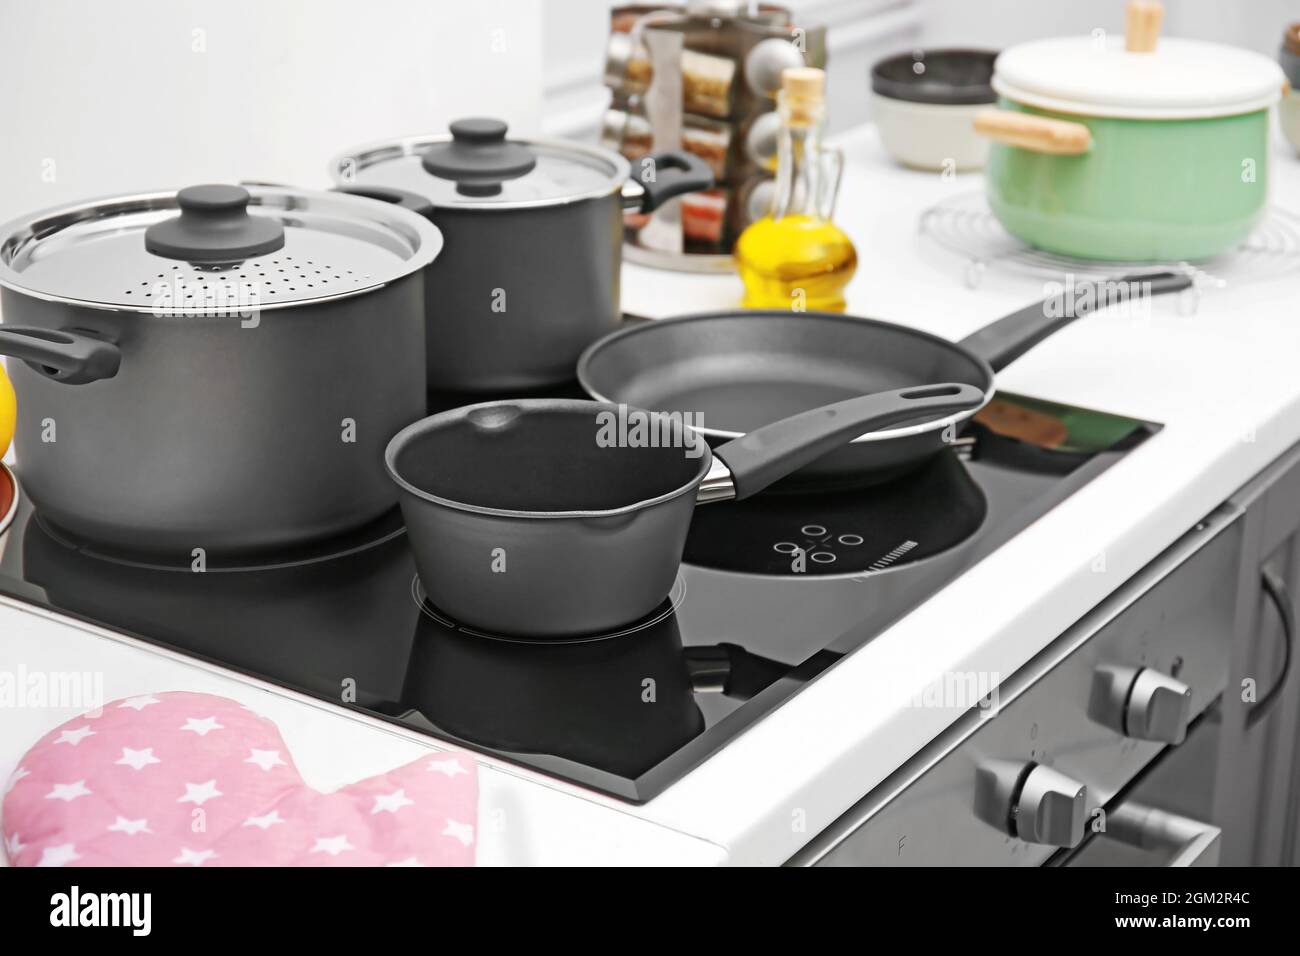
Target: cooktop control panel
column 1068, row 731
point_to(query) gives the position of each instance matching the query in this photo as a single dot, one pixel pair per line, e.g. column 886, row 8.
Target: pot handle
column 1012, row 336
column 71, row 356
column 1037, row 133
column 398, row 197
column 674, row 172
column 767, row 454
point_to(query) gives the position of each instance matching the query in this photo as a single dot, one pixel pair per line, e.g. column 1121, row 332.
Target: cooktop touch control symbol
column 885, row 560
column 818, row 546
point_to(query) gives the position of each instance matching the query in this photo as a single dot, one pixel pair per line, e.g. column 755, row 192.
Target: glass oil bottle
column 795, row 257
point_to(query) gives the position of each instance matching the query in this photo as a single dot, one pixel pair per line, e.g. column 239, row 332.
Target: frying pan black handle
column 1007, row 339
column 768, row 454
column 65, row 355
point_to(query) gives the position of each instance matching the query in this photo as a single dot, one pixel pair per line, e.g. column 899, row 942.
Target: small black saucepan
column 737, row 371
column 554, row 517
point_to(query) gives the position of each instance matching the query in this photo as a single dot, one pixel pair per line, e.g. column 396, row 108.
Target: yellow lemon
column 8, row 411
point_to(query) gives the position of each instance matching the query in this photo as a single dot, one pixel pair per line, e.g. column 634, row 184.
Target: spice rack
column 704, row 79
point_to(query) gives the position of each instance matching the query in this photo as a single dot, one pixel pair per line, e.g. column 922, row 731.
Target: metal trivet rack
column 964, row 225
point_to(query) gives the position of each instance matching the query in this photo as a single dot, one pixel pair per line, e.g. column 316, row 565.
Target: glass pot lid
column 476, row 166
column 206, row 249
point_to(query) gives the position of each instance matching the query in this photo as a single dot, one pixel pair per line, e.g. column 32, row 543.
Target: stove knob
column 1141, row 703
column 1052, row 808
column 1032, row 802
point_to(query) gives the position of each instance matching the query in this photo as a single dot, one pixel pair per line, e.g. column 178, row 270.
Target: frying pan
column 737, row 371
column 524, row 521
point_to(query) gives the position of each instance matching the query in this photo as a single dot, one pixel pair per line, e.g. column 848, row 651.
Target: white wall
column 103, row 96
column 862, row 31
column 112, row 95
column 1257, row 24
column 576, row 31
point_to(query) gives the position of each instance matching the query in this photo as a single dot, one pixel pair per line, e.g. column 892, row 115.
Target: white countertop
column 1222, row 380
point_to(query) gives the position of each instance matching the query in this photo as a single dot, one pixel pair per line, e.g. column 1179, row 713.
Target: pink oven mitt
column 192, row 779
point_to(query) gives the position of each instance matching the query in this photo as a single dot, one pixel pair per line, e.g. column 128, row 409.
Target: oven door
column 1162, row 817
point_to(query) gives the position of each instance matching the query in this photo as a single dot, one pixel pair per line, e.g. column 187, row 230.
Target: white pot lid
column 1181, row 79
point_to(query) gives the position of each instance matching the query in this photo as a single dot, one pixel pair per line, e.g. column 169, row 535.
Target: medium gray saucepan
column 737, row 371
column 530, row 275
column 218, row 368
column 531, row 517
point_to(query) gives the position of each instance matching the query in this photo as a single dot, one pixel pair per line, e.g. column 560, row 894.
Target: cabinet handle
column 1277, row 593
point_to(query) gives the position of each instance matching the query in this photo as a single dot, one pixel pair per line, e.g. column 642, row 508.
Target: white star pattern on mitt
column 130, row 827
column 60, row 855
column 137, row 759
column 200, row 793
column 193, row 857
column 332, row 845
column 266, row 759
column 391, row 802
column 202, row 727
column 68, row 791
column 75, row 737
column 448, row 766
column 463, row 832
column 139, row 703
column 17, row 775
column 266, row 821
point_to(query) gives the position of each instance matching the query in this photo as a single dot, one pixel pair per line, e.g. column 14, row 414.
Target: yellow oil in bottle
column 795, row 258
column 801, row 263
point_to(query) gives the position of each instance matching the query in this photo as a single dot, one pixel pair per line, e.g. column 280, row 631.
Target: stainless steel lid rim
column 395, row 243
column 344, row 168
column 192, row 314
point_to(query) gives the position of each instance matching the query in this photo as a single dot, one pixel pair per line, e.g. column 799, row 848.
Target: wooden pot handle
column 1038, row 133
column 1142, row 25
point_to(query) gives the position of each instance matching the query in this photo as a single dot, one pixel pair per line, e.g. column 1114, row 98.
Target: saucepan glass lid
column 478, row 166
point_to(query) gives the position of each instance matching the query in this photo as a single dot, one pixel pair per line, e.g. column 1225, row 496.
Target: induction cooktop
column 772, row 592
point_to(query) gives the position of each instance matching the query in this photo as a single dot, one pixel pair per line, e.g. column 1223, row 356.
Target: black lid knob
column 214, row 226
column 479, row 157
column 479, row 129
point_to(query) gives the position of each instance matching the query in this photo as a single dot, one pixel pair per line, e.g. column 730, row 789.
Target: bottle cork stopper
column 804, row 83
column 803, row 93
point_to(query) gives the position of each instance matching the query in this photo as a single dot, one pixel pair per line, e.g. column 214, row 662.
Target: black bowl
column 943, row 77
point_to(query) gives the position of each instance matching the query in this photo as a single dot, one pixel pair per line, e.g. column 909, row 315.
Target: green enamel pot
column 1143, row 189
column 1137, row 148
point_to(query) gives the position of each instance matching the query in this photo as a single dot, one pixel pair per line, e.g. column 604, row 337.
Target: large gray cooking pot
column 225, row 378
column 530, row 274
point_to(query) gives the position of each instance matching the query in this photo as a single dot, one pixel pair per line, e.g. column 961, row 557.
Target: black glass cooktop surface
column 773, row 592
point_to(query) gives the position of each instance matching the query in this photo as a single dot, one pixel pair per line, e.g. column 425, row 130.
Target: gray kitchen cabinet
column 1257, row 787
